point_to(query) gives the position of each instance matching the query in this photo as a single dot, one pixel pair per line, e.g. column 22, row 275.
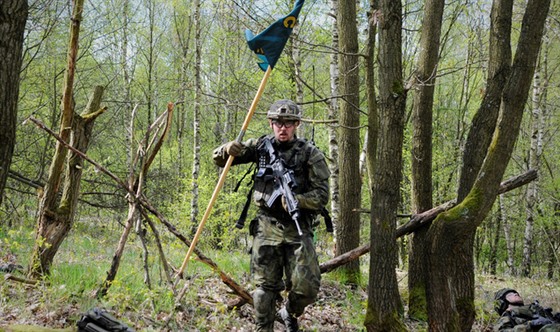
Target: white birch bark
column 531, row 196
column 510, row 245
column 196, row 117
column 333, row 114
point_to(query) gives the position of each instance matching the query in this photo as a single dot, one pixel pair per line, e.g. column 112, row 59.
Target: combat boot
column 290, row 321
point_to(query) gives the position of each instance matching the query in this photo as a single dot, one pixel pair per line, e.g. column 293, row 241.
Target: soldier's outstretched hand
column 234, row 148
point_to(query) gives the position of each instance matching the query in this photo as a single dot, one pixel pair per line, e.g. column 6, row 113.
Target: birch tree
column 333, row 115
column 535, row 152
column 196, row 118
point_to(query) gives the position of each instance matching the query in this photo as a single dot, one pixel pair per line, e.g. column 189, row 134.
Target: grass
column 85, row 257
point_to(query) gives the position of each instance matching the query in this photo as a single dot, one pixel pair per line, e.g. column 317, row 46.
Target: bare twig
column 78, row 152
column 12, row 277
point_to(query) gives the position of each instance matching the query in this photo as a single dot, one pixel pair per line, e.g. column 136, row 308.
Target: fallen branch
column 12, row 277
column 423, row 219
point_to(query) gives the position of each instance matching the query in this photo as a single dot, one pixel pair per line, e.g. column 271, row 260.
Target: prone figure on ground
column 516, row 316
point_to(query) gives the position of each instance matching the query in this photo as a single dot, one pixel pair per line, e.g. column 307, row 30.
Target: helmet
column 500, row 302
column 284, row 109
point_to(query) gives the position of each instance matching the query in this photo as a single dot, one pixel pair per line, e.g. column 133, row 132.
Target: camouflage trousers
column 281, row 259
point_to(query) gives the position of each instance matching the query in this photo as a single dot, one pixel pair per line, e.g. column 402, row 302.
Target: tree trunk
column 182, row 29
column 48, row 237
column 424, row 83
column 56, row 221
column 531, row 196
column 384, row 307
column 373, row 113
column 333, row 115
column 13, row 15
column 478, row 140
column 496, row 241
column 196, row 117
column 127, row 79
column 348, row 230
column 510, row 249
column 450, row 291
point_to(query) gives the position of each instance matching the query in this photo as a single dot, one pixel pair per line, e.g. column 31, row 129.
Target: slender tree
column 333, row 115
column 348, row 230
column 196, row 118
column 183, row 26
column 424, row 79
column 373, row 114
column 535, row 152
column 508, row 236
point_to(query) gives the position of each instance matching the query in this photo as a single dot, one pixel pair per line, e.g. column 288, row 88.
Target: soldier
column 518, row 317
column 279, row 251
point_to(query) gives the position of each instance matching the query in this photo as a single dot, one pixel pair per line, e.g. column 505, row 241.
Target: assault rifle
column 284, row 184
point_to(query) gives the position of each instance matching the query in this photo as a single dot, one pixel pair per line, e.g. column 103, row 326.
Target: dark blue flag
column 268, row 45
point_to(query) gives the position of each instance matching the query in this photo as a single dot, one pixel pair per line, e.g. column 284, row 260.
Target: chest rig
column 295, row 158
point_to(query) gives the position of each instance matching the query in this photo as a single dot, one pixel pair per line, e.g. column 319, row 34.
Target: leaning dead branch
column 147, row 150
column 144, row 202
column 423, row 219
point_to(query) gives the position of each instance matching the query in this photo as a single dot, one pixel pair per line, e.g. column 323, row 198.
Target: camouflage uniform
column 281, row 259
column 527, row 318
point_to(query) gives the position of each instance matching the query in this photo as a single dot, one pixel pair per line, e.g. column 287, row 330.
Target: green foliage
column 150, row 61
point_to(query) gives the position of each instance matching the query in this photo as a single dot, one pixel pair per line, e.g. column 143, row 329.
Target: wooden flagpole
column 222, row 179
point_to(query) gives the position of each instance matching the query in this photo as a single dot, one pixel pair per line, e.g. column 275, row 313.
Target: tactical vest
column 295, row 156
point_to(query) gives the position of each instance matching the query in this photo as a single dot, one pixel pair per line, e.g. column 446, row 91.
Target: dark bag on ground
column 97, row 320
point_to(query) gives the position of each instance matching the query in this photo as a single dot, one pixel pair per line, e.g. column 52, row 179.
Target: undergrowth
column 142, row 297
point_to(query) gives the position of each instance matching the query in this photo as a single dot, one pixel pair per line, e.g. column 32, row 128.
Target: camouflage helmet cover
column 500, row 302
column 284, row 109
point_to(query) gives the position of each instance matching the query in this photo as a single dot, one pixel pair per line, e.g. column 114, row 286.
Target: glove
column 540, row 321
column 233, row 148
column 284, row 204
column 304, row 203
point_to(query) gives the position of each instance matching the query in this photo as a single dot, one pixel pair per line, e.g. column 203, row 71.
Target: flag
column 269, row 44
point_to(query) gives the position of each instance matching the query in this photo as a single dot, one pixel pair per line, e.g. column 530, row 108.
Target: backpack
column 97, row 320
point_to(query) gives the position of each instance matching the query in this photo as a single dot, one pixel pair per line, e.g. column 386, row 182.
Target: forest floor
column 339, row 308
column 60, row 300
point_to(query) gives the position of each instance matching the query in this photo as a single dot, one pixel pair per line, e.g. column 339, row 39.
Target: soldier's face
column 514, row 298
column 284, row 130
